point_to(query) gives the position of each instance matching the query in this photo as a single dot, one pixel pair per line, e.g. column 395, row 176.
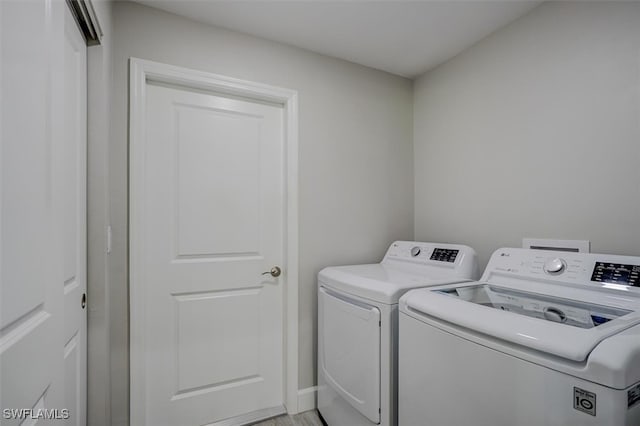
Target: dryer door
column 350, row 350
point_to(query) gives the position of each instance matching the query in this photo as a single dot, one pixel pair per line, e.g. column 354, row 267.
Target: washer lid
column 568, row 328
column 380, row 282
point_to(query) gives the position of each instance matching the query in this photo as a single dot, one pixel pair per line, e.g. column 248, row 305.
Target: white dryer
column 543, row 339
column 357, row 327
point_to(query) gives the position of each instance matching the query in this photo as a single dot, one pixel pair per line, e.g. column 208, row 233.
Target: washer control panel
column 585, row 268
column 616, row 273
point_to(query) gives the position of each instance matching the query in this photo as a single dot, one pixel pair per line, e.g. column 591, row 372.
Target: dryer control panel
column 421, row 254
column 584, row 268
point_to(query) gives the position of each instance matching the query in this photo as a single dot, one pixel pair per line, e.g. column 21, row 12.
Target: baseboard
column 307, row 399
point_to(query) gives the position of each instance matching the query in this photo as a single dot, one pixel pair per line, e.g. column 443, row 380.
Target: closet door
column 31, row 348
column 42, row 255
column 72, row 193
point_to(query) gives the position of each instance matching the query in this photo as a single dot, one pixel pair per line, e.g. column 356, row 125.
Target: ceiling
column 405, row 38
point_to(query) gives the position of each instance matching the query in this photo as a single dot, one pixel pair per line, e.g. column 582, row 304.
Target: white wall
column 535, row 132
column 356, row 179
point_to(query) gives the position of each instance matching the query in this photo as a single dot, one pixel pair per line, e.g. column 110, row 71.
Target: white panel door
column 31, row 294
column 31, row 302
column 72, row 154
column 212, row 222
column 43, row 115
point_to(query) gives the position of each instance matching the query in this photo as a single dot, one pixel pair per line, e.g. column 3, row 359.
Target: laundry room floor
column 308, row 418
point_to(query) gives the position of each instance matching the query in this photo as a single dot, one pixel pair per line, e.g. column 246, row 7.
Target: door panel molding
column 141, row 72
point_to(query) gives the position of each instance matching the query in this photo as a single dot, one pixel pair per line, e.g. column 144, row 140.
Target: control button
column 415, row 251
column 554, row 266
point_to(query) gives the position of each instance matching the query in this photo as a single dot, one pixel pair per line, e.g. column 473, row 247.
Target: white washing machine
column 543, row 339
column 357, row 327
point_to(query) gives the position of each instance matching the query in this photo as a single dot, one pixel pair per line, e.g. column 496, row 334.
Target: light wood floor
column 308, row 418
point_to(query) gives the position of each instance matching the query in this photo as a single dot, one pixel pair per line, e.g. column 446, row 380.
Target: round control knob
column 415, row 251
column 554, row 266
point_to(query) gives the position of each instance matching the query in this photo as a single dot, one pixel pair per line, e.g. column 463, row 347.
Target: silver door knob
column 274, row 272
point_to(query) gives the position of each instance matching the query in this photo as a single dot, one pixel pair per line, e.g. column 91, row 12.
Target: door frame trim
column 140, row 72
